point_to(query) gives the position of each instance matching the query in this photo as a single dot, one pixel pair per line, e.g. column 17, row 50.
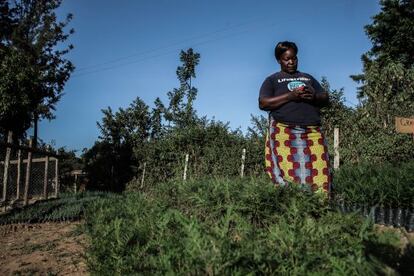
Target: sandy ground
column 42, row 249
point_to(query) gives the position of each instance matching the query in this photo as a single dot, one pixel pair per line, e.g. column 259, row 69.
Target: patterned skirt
column 298, row 154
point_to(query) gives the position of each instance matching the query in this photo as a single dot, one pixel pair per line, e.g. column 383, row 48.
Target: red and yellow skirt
column 298, row 154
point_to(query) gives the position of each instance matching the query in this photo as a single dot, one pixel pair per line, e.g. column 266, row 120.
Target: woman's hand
column 308, row 93
column 302, row 93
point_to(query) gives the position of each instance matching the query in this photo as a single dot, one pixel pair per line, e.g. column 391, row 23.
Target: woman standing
column 295, row 145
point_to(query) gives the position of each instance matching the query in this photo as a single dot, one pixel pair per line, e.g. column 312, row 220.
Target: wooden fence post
column 57, row 187
column 336, row 148
column 6, row 166
column 28, row 173
column 46, row 178
column 242, row 163
column 19, row 173
column 143, row 175
column 185, row 167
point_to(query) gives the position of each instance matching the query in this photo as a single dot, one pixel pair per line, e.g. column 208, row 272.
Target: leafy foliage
column 386, row 90
column 226, row 227
column 180, row 110
column 110, row 161
column 376, row 185
column 33, row 68
column 392, row 32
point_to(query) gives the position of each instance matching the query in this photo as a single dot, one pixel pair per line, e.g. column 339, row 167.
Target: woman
column 295, row 146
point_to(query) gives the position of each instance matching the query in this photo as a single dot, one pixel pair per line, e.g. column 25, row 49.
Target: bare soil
column 42, row 249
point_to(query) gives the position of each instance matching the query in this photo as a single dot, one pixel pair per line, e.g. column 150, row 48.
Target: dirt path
column 42, row 249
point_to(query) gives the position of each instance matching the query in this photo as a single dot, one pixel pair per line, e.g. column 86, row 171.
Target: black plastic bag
column 409, row 225
column 389, row 216
column 380, row 215
column 398, row 217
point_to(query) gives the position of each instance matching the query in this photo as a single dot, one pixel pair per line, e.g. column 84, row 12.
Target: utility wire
column 223, row 30
column 165, row 53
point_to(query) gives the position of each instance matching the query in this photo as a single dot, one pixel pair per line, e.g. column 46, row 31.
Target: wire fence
column 26, row 175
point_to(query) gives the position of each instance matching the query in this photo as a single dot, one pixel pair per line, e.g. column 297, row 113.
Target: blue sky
column 124, row 49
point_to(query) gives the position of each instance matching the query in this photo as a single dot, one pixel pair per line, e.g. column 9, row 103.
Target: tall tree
column 33, row 68
column 157, row 128
column 392, row 32
column 180, row 110
column 392, row 35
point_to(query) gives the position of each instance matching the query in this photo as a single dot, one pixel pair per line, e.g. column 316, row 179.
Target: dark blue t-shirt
column 292, row 113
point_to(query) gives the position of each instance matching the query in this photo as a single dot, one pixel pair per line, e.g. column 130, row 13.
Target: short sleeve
column 317, row 86
column 267, row 88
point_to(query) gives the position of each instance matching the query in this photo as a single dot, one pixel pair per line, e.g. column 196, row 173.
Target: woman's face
column 288, row 61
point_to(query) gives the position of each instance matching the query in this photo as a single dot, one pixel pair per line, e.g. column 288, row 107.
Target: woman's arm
column 270, row 103
column 321, row 99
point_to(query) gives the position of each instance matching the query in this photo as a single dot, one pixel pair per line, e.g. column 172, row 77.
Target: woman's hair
column 283, row 46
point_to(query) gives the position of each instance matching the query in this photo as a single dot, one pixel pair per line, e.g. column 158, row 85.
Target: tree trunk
column 35, row 119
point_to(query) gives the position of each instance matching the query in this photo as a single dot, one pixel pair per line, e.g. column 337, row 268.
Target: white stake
column 242, row 163
column 185, row 167
column 143, row 175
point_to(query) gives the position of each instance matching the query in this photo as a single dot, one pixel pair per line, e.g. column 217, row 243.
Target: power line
column 165, row 53
column 205, row 35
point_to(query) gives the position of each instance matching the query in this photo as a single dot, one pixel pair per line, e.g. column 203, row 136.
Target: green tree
column 33, row 68
column 392, row 37
column 387, row 88
column 157, row 128
column 336, row 113
column 392, row 32
column 180, row 110
column 389, row 91
column 116, row 157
